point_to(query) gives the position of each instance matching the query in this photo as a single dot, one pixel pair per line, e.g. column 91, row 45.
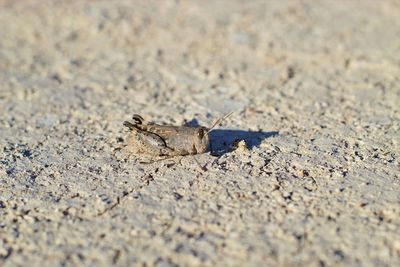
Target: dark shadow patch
column 222, row 141
column 192, row 123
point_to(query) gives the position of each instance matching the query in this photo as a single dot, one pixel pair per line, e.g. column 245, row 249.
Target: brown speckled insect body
column 168, row 141
column 164, row 141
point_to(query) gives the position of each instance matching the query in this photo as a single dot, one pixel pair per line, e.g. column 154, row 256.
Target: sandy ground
column 314, row 86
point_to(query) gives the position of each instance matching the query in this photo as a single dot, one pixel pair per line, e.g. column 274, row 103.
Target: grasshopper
column 165, row 141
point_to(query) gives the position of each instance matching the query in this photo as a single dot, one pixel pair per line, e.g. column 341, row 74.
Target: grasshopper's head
column 201, row 140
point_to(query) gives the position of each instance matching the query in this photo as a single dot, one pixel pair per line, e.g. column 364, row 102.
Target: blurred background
column 322, row 75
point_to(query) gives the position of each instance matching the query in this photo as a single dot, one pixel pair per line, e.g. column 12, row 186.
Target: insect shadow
column 223, row 140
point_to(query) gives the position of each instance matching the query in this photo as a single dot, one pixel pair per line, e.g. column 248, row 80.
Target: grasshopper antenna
column 219, row 121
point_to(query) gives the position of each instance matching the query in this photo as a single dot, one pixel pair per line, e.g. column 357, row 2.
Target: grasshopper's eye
column 200, row 133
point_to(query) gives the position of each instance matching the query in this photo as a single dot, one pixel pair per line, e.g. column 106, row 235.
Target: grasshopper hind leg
column 151, row 143
column 138, row 119
column 130, row 125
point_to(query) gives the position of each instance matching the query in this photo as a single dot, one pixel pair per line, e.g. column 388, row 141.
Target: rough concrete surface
column 315, row 90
